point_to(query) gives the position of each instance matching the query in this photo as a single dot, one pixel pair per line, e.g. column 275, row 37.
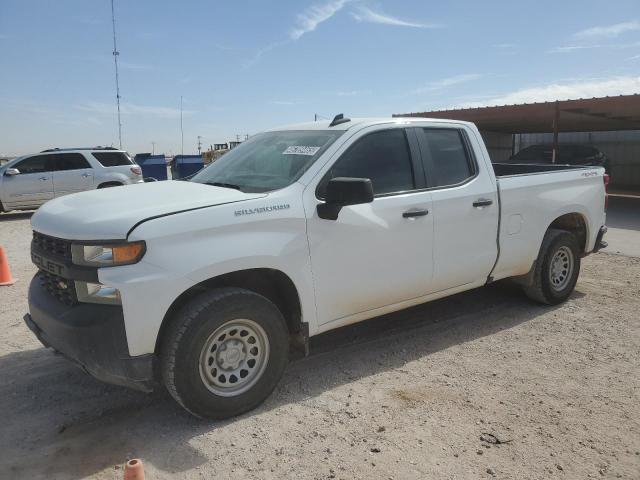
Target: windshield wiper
column 224, row 185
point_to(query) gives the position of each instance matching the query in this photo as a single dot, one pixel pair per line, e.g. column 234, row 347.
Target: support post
column 556, row 122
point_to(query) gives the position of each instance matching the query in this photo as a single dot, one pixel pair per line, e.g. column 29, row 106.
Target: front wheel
column 224, row 352
column 557, row 268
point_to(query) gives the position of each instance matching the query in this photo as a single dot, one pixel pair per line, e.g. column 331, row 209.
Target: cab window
column 383, row 157
column 448, row 155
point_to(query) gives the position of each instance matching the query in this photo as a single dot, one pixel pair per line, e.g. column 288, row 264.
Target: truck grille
column 60, row 288
column 55, row 246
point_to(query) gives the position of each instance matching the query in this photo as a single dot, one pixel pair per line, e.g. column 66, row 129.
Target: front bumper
column 92, row 336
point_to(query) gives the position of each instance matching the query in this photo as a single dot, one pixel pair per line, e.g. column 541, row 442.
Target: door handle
column 482, row 202
column 415, row 213
column 85, row 175
column 44, row 179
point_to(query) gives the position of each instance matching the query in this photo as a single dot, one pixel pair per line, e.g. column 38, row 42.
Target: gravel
column 405, row 396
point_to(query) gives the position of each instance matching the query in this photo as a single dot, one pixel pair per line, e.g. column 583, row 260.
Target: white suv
column 29, row 181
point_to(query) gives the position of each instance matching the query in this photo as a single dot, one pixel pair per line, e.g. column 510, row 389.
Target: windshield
column 268, row 161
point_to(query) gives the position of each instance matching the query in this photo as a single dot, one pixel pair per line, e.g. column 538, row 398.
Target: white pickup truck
column 204, row 285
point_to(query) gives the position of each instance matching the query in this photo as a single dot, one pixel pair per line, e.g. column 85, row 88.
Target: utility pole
column 115, row 60
column 237, row 137
column 199, row 144
column 153, row 148
column 181, row 130
column 246, row 136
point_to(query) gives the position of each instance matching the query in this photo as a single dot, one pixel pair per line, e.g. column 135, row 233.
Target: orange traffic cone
column 134, row 470
column 5, row 273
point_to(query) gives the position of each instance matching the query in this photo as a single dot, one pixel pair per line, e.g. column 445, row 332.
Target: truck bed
column 531, row 196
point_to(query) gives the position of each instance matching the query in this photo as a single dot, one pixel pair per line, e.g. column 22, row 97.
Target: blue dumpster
column 185, row 165
column 153, row 166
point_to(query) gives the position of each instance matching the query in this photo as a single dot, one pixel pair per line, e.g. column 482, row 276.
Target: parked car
column 204, row 285
column 567, row 155
column 29, row 181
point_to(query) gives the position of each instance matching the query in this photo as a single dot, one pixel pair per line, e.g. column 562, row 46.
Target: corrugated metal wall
column 622, row 148
column 498, row 145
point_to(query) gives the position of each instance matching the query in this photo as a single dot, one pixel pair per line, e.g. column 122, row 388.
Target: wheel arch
column 575, row 223
column 273, row 284
column 110, row 183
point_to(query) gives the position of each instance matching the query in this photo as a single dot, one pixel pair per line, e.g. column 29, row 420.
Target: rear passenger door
column 465, row 207
column 72, row 173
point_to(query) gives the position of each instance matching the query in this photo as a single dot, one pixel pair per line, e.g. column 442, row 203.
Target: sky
column 244, row 66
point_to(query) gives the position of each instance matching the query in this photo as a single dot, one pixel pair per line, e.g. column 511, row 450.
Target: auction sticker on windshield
column 301, row 150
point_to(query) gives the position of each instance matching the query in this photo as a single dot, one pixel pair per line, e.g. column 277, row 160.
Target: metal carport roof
column 583, row 115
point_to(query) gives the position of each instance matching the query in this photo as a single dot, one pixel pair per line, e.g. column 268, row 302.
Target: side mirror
column 10, row 172
column 343, row 191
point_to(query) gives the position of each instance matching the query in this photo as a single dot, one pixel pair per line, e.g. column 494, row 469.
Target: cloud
column 258, row 55
column 573, row 48
column 609, row 30
column 576, row 48
column 447, row 82
column 313, row 16
column 101, row 108
column 624, row 85
column 365, row 14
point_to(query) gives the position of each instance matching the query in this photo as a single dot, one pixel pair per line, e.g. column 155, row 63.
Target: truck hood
column 110, row 213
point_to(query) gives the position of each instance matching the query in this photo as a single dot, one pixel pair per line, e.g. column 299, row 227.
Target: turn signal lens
column 127, row 253
column 107, row 255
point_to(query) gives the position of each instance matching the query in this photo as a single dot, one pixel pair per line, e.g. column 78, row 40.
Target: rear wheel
column 557, row 268
column 224, row 352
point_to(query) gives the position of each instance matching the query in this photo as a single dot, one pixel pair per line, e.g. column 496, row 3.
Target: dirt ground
column 418, row 394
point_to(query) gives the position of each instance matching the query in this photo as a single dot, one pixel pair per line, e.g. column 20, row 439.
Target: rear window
column 112, row 159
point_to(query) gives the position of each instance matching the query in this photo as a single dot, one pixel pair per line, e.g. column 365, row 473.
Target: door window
column 383, row 157
column 449, row 157
column 37, row 164
column 70, row 161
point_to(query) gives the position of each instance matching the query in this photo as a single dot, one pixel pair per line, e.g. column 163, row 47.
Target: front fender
column 186, row 249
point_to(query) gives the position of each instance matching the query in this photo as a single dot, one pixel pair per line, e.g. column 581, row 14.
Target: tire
column 557, row 268
column 197, row 367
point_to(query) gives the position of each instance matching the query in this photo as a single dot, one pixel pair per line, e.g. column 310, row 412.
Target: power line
column 115, row 60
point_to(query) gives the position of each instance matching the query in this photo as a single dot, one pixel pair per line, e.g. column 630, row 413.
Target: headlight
column 97, row 293
column 107, row 255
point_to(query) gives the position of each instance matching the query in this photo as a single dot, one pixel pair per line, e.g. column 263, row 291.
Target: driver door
column 32, row 186
column 375, row 254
